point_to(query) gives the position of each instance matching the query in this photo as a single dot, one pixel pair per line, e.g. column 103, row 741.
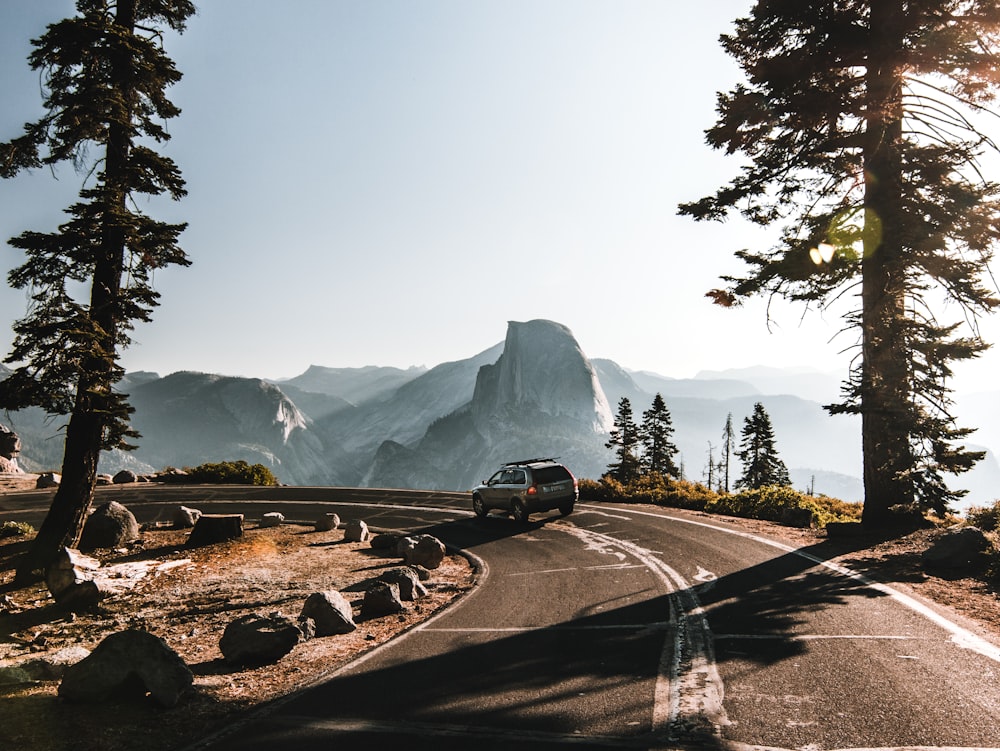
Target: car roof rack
column 531, row 461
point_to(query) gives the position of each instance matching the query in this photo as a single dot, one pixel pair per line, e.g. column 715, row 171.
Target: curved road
column 623, row 626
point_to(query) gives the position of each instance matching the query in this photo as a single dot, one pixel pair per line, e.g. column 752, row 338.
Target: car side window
column 517, row 477
column 496, row 479
column 507, row 478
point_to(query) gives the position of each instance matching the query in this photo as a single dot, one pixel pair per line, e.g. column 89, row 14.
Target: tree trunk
column 885, row 384
column 85, row 432
column 64, row 522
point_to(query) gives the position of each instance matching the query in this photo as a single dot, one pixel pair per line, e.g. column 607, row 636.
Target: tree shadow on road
column 536, row 680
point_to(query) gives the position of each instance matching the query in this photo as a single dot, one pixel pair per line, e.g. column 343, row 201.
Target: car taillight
column 533, row 490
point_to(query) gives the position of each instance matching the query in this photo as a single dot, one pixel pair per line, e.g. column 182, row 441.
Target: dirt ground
column 187, row 596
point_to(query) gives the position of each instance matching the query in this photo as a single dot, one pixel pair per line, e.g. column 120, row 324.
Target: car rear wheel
column 479, row 507
column 566, row 509
column 519, row 511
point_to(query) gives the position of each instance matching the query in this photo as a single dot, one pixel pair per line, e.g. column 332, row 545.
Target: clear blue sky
column 389, row 182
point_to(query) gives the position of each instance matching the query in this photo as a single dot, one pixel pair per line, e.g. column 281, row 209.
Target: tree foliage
column 655, row 436
column 625, row 440
column 861, row 123
column 758, row 453
column 105, row 74
column 728, row 446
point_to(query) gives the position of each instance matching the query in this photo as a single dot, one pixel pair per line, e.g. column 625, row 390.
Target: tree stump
column 213, row 528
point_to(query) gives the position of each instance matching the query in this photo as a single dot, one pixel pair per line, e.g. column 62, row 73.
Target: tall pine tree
column 858, row 119
column 655, row 436
column 625, row 440
column 105, row 74
column 728, row 446
column 758, row 453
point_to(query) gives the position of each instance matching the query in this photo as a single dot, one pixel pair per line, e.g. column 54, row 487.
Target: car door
column 491, row 490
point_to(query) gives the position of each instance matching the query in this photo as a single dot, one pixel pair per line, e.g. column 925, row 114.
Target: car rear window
column 545, row 475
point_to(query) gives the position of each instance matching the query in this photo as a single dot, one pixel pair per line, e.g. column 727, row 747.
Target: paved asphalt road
column 624, row 626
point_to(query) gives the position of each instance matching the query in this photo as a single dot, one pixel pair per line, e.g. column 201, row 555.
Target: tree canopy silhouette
column 862, row 124
column 105, row 74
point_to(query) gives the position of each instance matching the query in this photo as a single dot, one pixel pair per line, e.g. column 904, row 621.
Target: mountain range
column 535, row 394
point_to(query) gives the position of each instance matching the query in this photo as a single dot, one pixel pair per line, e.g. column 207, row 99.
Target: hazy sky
column 382, row 182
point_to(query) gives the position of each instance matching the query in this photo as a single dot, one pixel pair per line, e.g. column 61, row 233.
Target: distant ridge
column 534, row 394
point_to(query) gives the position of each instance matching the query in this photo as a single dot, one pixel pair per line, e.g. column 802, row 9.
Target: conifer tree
column 728, row 445
column 625, row 441
column 104, row 74
column 761, row 464
column 859, row 120
column 655, row 435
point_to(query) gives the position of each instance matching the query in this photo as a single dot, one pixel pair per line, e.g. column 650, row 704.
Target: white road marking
column 818, row 637
column 688, row 684
column 960, row 636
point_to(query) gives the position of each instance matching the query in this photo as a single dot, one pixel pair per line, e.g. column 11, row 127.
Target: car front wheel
column 519, row 511
column 478, row 506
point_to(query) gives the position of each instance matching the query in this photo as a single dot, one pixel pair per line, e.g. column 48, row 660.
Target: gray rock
column 422, row 550
column 272, row 519
column 255, row 639
column 330, row 611
column 124, row 477
column 186, row 518
column 70, row 579
column 10, row 446
column 109, row 526
column 408, row 581
column 213, row 528
column 128, row 662
column 957, row 551
column 356, row 531
column 327, row 522
column 386, row 541
column 382, row 599
column 48, row 480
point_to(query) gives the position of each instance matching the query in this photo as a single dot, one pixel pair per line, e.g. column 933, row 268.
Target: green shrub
column 776, row 503
column 986, row 518
column 232, row 473
column 16, row 529
column 785, row 505
column 591, row 490
column 652, row 488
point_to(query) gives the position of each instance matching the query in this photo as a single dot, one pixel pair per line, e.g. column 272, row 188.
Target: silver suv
column 521, row 488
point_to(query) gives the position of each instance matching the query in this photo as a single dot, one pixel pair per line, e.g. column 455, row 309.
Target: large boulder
column 48, row 480
column 382, row 599
column 422, row 550
column 408, row 581
column 71, row 580
column 356, row 531
column 330, row 611
column 327, row 522
column 124, row 477
column 186, row 518
column 128, row 662
column 10, row 447
column 272, row 519
column 957, row 552
column 213, row 528
column 256, row 639
column 110, row 526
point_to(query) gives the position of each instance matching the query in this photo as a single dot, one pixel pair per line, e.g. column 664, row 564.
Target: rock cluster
column 139, row 663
